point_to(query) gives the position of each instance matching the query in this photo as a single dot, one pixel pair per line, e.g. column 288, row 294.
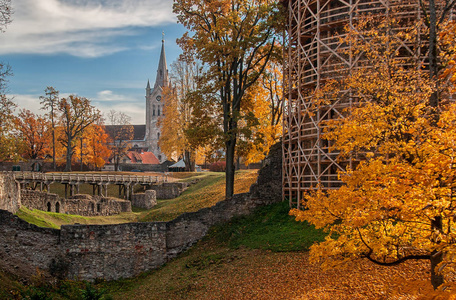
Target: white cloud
column 107, row 100
column 84, row 28
column 30, row 102
column 104, row 101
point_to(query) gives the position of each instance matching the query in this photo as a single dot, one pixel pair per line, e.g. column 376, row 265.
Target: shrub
column 219, row 166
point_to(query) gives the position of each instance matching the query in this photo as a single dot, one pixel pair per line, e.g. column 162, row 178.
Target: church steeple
column 148, row 89
column 162, row 71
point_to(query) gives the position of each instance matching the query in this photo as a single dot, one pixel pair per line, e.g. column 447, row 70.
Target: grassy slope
column 262, row 256
column 208, row 191
column 205, row 193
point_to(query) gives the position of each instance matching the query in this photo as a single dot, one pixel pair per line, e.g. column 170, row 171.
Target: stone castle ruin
column 84, row 205
column 88, row 252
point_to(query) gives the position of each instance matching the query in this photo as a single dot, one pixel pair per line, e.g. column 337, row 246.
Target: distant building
column 154, row 106
column 146, row 136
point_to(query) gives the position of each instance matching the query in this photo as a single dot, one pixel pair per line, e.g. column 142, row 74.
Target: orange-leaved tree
column 235, row 39
column 95, row 151
column 34, row 132
column 76, row 114
column 398, row 200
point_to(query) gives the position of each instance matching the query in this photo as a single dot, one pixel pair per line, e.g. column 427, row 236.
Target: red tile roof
column 145, row 158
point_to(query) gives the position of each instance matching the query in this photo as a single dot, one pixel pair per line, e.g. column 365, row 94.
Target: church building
column 154, row 106
column 145, row 137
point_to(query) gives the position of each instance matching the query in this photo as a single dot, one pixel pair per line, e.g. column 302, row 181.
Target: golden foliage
column 398, row 198
column 34, row 132
column 448, row 43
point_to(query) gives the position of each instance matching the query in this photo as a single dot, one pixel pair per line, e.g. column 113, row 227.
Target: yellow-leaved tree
column 235, row 40
column 447, row 38
column 398, row 200
column 266, row 104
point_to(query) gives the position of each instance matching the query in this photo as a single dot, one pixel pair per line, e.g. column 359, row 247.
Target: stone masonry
column 10, row 193
column 145, row 200
column 87, row 252
column 169, row 190
column 84, row 205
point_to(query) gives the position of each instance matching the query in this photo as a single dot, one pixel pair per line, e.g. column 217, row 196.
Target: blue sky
column 104, row 50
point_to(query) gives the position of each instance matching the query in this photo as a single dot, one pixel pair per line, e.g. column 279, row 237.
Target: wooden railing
column 88, row 178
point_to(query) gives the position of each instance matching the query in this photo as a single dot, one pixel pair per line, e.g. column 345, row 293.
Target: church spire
column 162, row 71
column 148, row 89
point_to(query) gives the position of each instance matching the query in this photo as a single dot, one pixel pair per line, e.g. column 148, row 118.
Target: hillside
column 208, row 190
column 262, row 256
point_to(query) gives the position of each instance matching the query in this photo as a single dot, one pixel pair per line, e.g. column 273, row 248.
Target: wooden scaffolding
column 313, row 56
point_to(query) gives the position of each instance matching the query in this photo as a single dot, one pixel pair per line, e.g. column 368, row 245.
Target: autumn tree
column 5, row 14
column 121, row 133
column 50, row 103
column 447, row 37
column 180, row 135
column 398, row 198
column 33, row 131
column 236, row 40
column 93, row 149
column 7, row 106
column 76, row 114
column 266, row 98
column 435, row 16
column 7, row 139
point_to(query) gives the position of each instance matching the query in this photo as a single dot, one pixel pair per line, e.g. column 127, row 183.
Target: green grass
column 270, row 228
column 209, row 190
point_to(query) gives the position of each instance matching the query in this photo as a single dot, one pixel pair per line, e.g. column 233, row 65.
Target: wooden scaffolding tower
column 313, row 56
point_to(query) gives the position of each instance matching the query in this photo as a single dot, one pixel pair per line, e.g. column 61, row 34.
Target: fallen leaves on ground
column 223, row 273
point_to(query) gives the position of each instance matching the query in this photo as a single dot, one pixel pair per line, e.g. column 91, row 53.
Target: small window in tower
column 161, row 73
column 153, row 110
column 158, row 135
column 158, row 111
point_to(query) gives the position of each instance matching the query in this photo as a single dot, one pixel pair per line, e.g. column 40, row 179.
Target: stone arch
column 49, row 206
column 57, row 207
column 92, row 206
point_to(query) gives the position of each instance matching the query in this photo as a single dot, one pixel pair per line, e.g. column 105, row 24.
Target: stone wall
column 145, row 200
column 42, row 201
column 87, row 252
column 269, row 182
column 112, row 251
column 84, row 205
column 26, row 247
column 10, row 193
column 169, row 190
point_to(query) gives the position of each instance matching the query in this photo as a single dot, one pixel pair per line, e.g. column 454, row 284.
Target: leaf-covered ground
column 263, row 256
column 211, row 272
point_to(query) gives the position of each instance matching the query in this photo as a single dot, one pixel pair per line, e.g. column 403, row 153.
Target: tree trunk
column 229, row 173
column 189, row 162
column 53, row 148
column 68, row 157
column 433, row 56
column 436, row 279
column 436, row 256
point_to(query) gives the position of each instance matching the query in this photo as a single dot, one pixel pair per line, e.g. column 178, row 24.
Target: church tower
column 155, row 104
